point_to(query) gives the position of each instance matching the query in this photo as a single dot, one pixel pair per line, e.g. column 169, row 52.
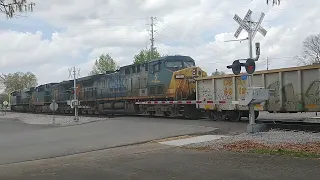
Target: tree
column 102, row 64
column 11, row 7
column 18, row 81
column 146, row 55
column 217, row 73
column 311, row 50
column 3, row 97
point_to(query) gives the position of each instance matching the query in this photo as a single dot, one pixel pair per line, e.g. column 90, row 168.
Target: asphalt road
column 13, row 126
column 155, row 161
column 21, row 142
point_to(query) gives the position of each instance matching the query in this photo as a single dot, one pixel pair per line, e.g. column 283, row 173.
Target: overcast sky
column 61, row 34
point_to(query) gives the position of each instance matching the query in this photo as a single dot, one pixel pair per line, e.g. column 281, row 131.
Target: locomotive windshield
column 174, row 64
column 189, row 64
column 178, row 62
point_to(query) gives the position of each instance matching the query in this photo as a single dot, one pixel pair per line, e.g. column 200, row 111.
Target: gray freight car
column 295, row 89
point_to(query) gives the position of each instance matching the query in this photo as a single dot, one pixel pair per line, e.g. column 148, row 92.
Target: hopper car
column 295, row 89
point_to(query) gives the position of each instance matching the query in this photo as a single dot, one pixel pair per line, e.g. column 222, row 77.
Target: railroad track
column 105, row 115
column 298, row 125
column 293, row 126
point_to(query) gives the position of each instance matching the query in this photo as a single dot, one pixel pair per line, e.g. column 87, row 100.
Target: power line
column 192, row 42
column 284, row 57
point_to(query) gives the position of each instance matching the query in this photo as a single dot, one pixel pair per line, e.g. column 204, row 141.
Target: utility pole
column 152, row 35
column 73, row 70
column 267, row 63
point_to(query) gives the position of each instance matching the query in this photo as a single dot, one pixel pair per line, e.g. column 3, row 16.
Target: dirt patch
column 311, row 149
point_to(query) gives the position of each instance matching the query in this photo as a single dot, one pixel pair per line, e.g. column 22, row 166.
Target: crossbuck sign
column 251, row 28
column 246, row 24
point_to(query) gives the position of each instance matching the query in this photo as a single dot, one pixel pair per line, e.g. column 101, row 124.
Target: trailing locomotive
column 116, row 92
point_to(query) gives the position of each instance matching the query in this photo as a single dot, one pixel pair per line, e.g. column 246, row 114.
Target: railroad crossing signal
column 236, row 67
column 242, row 23
column 257, row 48
column 251, row 28
column 246, row 24
column 250, row 66
column 258, row 27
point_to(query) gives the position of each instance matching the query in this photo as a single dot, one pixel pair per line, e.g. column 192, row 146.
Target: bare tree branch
column 11, row 8
column 274, row 2
column 311, row 50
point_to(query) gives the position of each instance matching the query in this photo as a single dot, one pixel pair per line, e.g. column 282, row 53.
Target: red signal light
column 250, row 66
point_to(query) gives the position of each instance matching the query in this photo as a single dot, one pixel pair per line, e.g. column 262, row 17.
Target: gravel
column 273, row 137
column 41, row 119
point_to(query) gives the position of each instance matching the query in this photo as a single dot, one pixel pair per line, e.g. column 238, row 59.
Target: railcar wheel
column 191, row 112
column 218, row 116
column 145, row 111
column 212, row 116
column 166, row 114
column 151, row 113
column 234, row 115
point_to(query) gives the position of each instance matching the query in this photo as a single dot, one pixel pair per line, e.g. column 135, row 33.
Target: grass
column 285, row 152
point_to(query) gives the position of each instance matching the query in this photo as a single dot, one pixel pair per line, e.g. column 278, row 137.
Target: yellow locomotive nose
column 183, row 83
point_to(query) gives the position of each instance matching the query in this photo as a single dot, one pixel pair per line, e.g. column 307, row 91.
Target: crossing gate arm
column 188, row 102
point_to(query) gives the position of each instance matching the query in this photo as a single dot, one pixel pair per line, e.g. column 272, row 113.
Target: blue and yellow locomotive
column 116, row 92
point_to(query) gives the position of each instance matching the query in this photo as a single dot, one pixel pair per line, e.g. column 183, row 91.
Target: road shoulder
column 157, row 161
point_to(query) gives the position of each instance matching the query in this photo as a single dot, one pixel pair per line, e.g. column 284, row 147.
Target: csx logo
column 155, row 79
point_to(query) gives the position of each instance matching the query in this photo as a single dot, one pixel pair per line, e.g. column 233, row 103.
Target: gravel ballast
column 271, row 138
column 41, row 119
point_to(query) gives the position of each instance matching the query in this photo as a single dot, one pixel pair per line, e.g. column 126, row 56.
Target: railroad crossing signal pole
column 251, row 28
column 76, row 117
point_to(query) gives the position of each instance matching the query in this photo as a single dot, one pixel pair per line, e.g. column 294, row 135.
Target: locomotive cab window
column 133, row 69
column 156, row 67
column 146, row 66
column 138, row 68
column 127, row 71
